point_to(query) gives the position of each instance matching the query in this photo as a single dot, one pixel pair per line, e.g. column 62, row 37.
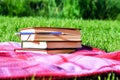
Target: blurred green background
column 80, row 9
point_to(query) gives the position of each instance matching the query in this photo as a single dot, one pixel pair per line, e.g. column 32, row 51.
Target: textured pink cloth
column 80, row 63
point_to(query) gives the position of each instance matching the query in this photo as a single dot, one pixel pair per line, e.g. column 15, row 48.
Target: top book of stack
column 50, row 34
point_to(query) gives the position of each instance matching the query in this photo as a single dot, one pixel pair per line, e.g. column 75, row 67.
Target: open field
column 97, row 33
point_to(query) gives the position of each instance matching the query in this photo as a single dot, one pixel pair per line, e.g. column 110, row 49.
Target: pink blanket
column 80, row 63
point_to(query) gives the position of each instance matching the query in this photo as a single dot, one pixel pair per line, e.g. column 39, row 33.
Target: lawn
column 103, row 34
column 97, row 33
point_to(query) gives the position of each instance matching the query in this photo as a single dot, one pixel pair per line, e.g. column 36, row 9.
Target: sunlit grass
column 101, row 34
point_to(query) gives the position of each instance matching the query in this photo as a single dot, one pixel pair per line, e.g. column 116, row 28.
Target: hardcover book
column 50, row 34
column 39, row 51
column 52, row 44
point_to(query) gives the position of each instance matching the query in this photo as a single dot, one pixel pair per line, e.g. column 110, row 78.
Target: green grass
column 97, row 33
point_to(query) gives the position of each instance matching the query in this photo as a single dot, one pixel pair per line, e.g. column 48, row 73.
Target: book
column 50, row 29
column 40, row 37
column 50, row 34
column 39, row 51
column 51, row 44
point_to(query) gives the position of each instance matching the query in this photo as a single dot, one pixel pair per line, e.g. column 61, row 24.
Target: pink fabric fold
column 80, row 63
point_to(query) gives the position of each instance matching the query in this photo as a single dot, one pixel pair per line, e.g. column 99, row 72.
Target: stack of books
column 50, row 40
